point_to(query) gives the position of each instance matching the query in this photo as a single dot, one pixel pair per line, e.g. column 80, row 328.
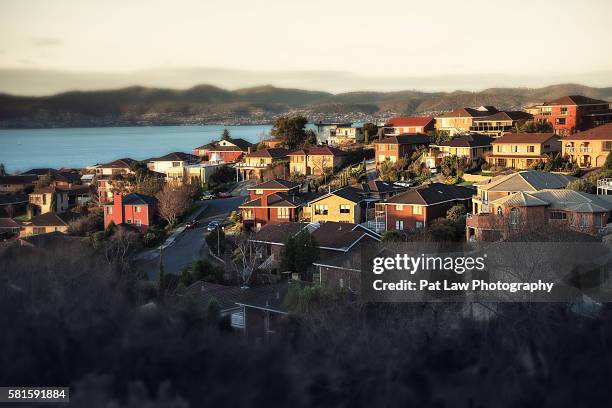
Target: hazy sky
column 377, row 38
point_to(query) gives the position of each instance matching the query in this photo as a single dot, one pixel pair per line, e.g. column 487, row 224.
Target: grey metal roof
column 527, row 180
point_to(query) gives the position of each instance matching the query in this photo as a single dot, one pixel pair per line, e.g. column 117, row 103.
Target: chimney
column 117, row 208
column 264, row 199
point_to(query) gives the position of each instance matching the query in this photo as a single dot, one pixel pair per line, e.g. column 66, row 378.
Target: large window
column 584, row 220
column 558, row 215
column 417, row 209
column 399, row 207
column 530, row 149
column 560, row 121
column 283, row 213
column 321, row 209
column 514, row 216
column 563, row 110
column 399, row 225
column 345, row 209
column 607, row 145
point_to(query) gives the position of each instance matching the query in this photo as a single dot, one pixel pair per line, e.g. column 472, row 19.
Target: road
column 191, row 244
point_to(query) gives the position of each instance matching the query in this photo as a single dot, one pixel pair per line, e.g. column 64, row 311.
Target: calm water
column 21, row 150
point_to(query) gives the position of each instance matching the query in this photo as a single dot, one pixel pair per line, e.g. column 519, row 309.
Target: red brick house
column 409, row 124
column 394, row 148
column 572, row 113
column 276, row 200
column 224, row 150
column 416, row 208
column 136, row 210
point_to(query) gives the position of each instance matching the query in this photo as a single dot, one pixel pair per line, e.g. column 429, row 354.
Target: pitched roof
column 241, row 144
column 568, row 200
column 505, row 116
column 520, row 199
column 524, row 138
column 527, row 180
column 318, row 151
column 409, row 121
column 469, row 112
column 276, row 184
column 268, row 297
column 273, row 152
column 603, row 132
column 380, row 186
column 406, row 138
column 119, row 163
column 6, row 199
column 575, row 100
column 16, row 180
column 350, row 193
column 433, row 193
column 6, row 223
column 51, row 219
column 226, row 296
column 137, row 198
column 278, row 200
column 175, row 156
column 471, row 140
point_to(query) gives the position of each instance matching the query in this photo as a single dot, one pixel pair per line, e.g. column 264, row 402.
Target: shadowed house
column 48, row 222
column 408, row 124
column 572, row 113
column 522, row 181
column 224, row 150
column 136, row 210
column 461, row 120
column 394, row 148
column 417, row 207
column 498, row 123
column 16, row 184
column 315, row 160
column 254, row 164
column 521, row 150
column 471, row 147
column 522, row 212
column 174, row 159
column 589, row 148
column 9, row 227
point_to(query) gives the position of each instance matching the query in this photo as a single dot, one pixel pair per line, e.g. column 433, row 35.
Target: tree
column 582, row 185
column 290, row 130
column 246, row 258
column 311, row 138
column 439, row 136
column 2, row 170
column 226, row 135
column 299, row 252
column 186, row 277
column 531, row 126
column 173, row 202
column 456, row 213
column 369, row 129
column 149, row 185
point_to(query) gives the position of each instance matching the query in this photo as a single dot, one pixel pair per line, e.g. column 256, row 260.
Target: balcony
column 252, row 166
column 580, row 149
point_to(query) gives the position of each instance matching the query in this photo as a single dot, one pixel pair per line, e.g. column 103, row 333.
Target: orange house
column 136, row 210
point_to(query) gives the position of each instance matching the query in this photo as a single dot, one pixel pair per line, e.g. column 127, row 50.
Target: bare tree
column 246, row 258
column 174, row 201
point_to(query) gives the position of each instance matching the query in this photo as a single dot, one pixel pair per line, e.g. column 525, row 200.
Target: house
column 48, row 199
column 416, row 208
column 199, row 173
column 16, row 184
column 316, row 161
column 136, row 210
column 572, row 113
column 276, row 200
column 332, row 238
column 48, row 222
column 227, row 297
column 263, row 308
column 521, row 150
column 271, row 143
column 120, row 166
column 9, row 228
column 224, row 150
column 522, row 212
column 394, row 148
column 409, row 124
column 59, row 178
column 347, row 204
column 13, row 204
column 327, row 130
column 461, row 120
column 346, row 135
column 589, row 148
column 174, row 159
column 255, row 163
column 381, row 190
column 498, row 123
column 469, row 147
column 522, row 181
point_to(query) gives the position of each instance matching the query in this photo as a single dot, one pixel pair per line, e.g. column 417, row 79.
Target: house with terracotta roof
column 523, row 181
column 469, row 147
column 254, row 164
column 572, row 113
column 520, row 212
column 275, row 200
column 48, row 222
column 461, row 120
column 394, row 148
column 135, row 210
column 589, row 148
column 409, row 124
column 521, row 150
column 417, row 207
column 316, row 160
column 224, row 150
column 174, row 159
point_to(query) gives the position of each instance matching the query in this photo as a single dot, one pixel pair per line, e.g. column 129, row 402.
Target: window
column 419, row 225
column 138, row 223
column 514, row 216
column 109, row 210
column 399, row 207
column 258, row 191
column 584, row 220
column 283, row 213
column 599, row 220
column 176, row 164
column 515, row 148
column 563, row 110
column 321, row 209
column 557, row 215
column 499, row 211
column 38, row 230
column 417, row 209
column 345, row 209
column 128, row 221
column 399, row 225
column 560, row 121
column 137, row 209
column 530, row 149
column 381, row 157
column 607, row 145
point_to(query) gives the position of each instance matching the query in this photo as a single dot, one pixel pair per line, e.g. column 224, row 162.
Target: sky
column 366, row 41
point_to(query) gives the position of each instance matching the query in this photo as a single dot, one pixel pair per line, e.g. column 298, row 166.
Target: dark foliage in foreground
column 69, row 318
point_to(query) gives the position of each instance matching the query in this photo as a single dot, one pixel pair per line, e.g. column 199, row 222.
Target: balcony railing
column 581, row 149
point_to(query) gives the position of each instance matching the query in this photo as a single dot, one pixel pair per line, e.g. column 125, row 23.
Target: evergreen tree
column 366, row 136
column 226, row 135
column 2, row 170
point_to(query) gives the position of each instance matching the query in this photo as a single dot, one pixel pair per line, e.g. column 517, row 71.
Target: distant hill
column 209, row 104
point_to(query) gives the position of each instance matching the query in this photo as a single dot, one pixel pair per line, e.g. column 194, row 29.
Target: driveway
column 191, row 244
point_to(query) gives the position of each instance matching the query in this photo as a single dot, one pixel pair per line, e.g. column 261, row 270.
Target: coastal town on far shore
column 232, row 214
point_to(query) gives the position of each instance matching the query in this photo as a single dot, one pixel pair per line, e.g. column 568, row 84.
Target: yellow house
column 254, row 164
column 48, row 222
column 315, row 160
column 200, row 172
column 521, row 150
column 589, row 148
column 343, row 205
column 42, row 200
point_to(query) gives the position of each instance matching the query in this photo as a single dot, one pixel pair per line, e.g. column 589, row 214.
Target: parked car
column 207, row 195
column 223, row 194
column 191, row 224
column 213, row 225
